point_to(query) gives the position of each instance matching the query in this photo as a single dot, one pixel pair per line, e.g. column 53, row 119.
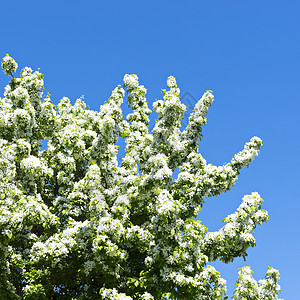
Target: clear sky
column 247, row 52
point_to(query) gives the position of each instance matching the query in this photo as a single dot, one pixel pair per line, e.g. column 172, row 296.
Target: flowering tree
column 77, row 225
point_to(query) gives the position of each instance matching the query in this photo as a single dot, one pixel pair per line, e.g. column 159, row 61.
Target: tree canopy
column 77, row 224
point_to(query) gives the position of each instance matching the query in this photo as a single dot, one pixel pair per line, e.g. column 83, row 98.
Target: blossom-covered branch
column 233, row 239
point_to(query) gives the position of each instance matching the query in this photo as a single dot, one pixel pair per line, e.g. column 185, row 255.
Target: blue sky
column 247, row 52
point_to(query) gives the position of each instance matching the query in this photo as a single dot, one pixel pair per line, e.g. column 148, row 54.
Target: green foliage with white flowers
column 76, row 224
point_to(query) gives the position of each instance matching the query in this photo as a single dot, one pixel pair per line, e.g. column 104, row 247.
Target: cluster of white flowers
column 236, row 236
column 166, row 132
column 165, row 203
column 131, row 81
column 265, row 289
column 147, row 296
column 57, row 246
column 9, row 65
column 245, row 157
column 76, row 223
column 268, row 288
column 20, row 96
column 113, row 294
column 197, row 119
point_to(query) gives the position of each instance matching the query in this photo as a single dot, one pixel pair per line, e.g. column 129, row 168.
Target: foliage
column 77, row 225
